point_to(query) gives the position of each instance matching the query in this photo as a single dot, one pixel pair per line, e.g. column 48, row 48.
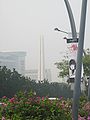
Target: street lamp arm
column 61, row 31
column 71, row 18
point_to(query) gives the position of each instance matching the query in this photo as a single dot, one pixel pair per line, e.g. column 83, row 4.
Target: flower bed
column 29, row 107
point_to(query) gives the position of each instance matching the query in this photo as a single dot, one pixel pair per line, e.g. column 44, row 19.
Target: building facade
column 13, row 60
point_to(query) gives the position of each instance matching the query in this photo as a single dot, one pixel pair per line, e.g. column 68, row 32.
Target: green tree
column 86, row 62
column 11, row 82
column 63, row 65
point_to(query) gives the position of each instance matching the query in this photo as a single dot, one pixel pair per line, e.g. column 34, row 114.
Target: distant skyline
column 22, row 22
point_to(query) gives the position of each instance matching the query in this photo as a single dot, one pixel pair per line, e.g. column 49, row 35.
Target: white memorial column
column 41, row 63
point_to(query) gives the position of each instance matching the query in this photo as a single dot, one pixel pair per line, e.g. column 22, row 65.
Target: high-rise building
column 13, row 60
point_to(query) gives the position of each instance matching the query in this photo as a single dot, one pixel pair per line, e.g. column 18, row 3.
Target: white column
column 41, row 64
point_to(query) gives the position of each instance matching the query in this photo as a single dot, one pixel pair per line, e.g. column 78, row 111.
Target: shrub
column 26, row 106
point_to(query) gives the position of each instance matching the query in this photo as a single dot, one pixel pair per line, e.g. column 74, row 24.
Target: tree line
column 11, row 82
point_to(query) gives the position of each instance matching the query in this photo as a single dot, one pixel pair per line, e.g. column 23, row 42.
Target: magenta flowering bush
column 30, row 107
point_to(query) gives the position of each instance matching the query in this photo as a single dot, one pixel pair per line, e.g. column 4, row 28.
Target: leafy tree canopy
column 63, row 65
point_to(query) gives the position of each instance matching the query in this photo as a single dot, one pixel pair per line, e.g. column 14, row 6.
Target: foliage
column 63, row 65
column 86, row 62
column 11, row 82
column 53, row 90
column 27, row 106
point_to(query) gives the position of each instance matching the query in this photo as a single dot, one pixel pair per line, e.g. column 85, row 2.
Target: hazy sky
column 22, row 22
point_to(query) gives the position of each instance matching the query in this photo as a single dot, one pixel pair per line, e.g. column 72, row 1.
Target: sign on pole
column 72, row 46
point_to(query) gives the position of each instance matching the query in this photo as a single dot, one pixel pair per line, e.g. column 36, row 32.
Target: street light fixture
column 69, row 40
column 56, row 29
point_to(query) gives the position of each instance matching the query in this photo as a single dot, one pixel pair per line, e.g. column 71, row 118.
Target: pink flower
column 12, row 100
column 3, row 118
column 88, row 118
column 38, row 98
column 4, row 97
column 81, row 118
column 43, row 98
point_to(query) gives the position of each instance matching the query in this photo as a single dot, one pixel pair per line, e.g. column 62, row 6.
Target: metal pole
column 72, row 22
column 77, row 89
column 89, row 88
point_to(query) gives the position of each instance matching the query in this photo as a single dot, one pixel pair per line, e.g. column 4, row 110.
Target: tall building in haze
column 13, row 60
